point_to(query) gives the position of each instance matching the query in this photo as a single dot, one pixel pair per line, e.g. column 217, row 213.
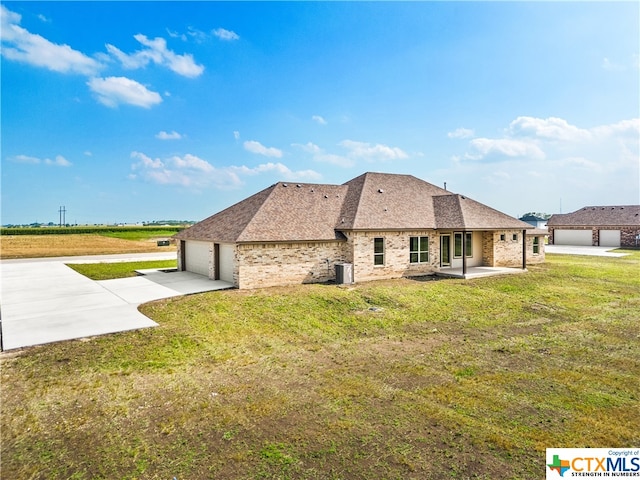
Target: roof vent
column 298, row 186
column 380, row 190
column 463, row 197
column 312, row 190
column 285, row 185
column 326, row 196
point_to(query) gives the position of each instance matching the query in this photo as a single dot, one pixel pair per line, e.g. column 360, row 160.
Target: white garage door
column 572, row 237
column 197, row 257
column 609, row 238
column 226, row 262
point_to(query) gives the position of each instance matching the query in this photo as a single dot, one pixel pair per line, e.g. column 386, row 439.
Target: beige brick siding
column 502, row 253
column 532, row 258
column 396, row 255
column 267, row 265
column 275, row 264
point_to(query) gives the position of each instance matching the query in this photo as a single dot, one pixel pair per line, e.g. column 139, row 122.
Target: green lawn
column 394, row 379
column 140, row 234
column 108, row 271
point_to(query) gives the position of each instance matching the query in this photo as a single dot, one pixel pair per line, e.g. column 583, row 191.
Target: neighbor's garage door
column 226, row 262
column 197, row 257
column 609, row 238
column 572, row 237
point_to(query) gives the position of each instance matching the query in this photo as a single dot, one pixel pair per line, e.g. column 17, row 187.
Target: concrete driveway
column 583, row 250
column 44, row 301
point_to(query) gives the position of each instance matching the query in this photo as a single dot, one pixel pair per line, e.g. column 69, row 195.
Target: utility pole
column 63, row 215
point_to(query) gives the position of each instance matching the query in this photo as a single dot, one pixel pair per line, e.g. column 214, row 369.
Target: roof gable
column 457, row 211
column 280, row 213
column 607, row 215
column 380, row 201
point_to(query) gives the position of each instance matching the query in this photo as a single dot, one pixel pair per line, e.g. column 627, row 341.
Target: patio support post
column 524, row 249
column 464, row 253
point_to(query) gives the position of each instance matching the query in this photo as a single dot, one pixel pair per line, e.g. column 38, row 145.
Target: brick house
column 383, row 225
column 605, row 226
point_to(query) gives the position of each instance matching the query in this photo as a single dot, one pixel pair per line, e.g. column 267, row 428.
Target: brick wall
column 497, row 252
column 267, row 265
column 396, row 255
column 532, row 258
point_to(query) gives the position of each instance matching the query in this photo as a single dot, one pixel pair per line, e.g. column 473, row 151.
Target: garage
column 226, row 262
column 572, row 237
column 197, row 257
column 609, row 238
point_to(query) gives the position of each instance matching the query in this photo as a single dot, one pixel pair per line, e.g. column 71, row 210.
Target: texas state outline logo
column 592, row 463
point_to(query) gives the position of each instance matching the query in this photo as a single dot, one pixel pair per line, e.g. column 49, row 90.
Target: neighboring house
column 535, row 221
column 383, row 225
column 606, row 226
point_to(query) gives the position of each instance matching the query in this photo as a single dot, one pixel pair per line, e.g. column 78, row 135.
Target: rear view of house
column 380, row 225
column 605, row 226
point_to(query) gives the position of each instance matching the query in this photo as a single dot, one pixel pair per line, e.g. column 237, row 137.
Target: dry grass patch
column 33, row 246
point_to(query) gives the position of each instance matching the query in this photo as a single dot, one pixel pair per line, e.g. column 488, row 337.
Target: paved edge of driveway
column 46, row 301
column 583, row 250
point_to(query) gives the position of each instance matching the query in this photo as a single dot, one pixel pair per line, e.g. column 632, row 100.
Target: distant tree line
column 84, row 229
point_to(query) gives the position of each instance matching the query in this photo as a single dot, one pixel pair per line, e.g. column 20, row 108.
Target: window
column 457, row 245
column 514, row 237
column 418, row 249
column 536, row 245
column 378, row 251
column 502, row 237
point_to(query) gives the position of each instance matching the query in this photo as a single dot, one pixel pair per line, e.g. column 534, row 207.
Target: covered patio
column 477, row 272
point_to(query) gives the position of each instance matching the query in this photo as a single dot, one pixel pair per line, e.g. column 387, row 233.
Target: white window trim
column 418, row 252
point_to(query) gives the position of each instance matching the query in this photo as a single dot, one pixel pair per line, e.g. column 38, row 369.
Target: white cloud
column 191, row 162
column 173, row 135
column 59, row 160
column 157, row 53
column 551, row 128
column 318, row 119
column 368, row 152
column 20, row 45
column 192, row 171
column 112, row 91
column 461, row 133
column 236, row 135
column 282, row 170
column 25, row 159
column 224, row 34
column 257, row 148
column 319, row 155
column 539, row 160
column 491, row 149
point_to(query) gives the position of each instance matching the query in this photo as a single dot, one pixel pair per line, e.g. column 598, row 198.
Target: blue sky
column 137, row 111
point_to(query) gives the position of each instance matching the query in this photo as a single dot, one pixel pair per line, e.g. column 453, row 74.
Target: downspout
column 464, row 253
column 524, row 249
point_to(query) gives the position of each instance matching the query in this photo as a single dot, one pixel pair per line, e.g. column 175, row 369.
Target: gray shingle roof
column 602, row 215
column 318, row 212
column 457, row 211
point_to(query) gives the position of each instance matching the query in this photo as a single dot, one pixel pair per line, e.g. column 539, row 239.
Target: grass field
column 394, row 379
column 31, row 246
column 108, row 271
